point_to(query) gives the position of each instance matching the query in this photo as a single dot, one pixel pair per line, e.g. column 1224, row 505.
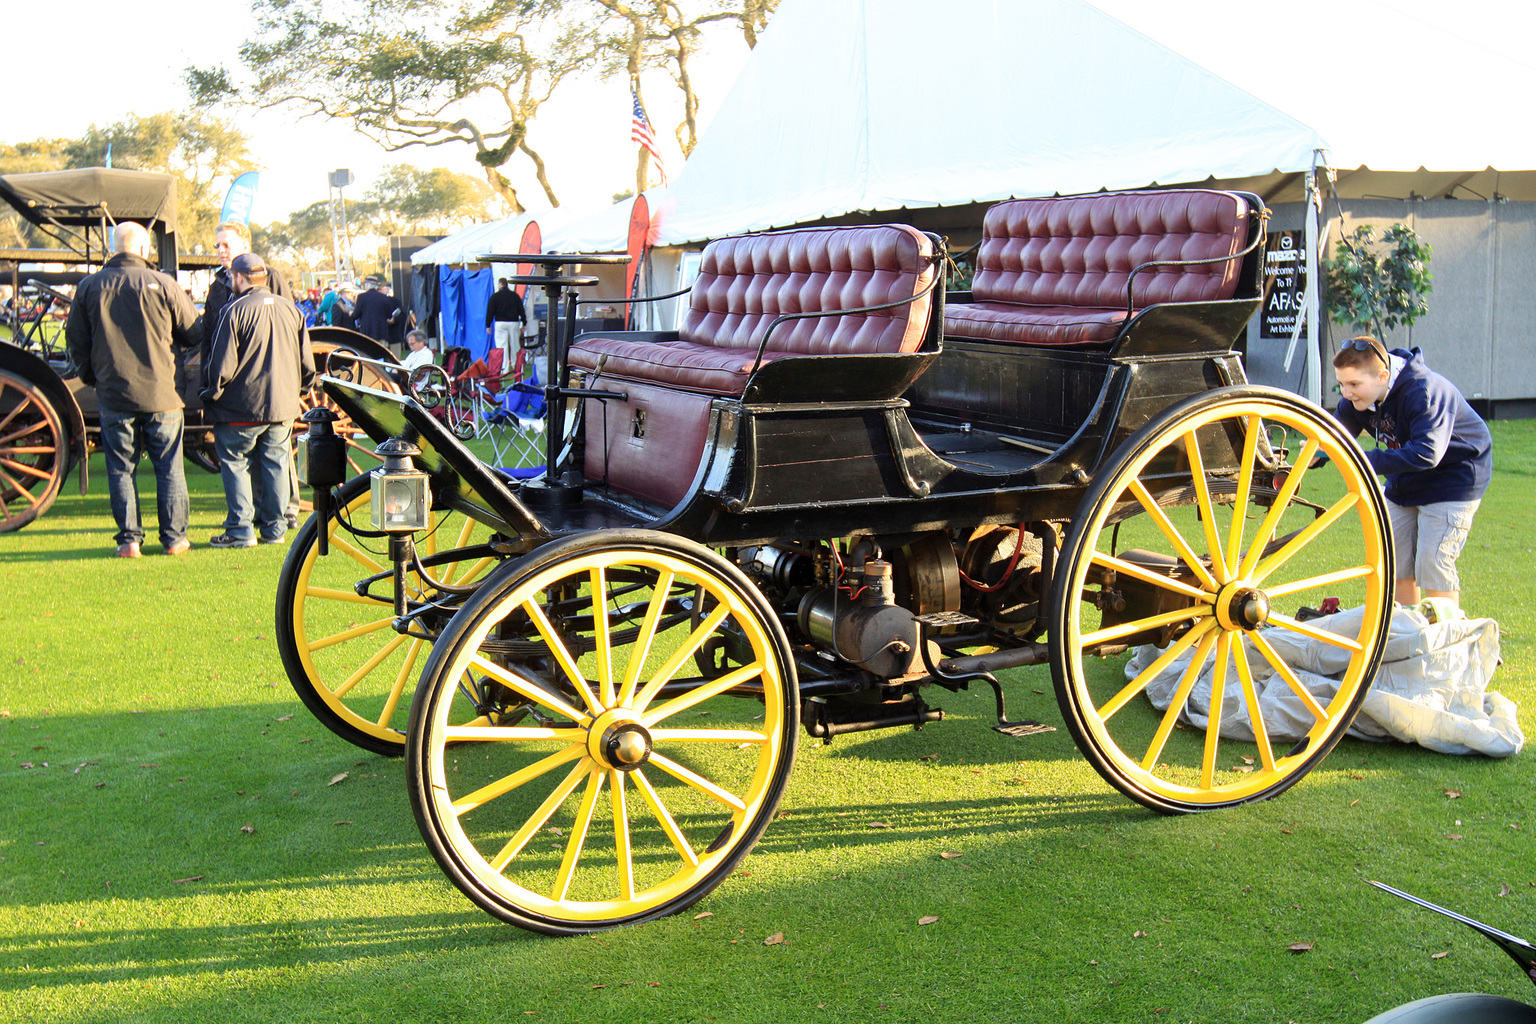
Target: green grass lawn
column 174, row 845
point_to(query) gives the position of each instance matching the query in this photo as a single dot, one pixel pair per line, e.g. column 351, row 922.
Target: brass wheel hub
column 618, row 741
column 1239, row 606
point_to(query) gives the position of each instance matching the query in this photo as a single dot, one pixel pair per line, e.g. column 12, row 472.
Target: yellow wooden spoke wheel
column 1177, row 609
column 34, row 452
column 347, row 663
column 569, row 766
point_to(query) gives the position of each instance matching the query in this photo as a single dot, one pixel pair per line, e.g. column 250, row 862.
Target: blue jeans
column 254, row 458
column 126, row 437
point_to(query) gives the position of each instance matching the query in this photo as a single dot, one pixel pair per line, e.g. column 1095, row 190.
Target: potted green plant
column 1378, row 288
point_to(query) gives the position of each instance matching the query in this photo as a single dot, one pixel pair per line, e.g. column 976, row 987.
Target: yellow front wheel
column 1176, row 614
column 570, row 767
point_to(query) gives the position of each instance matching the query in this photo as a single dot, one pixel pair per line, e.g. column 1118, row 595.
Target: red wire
column 1007, row 573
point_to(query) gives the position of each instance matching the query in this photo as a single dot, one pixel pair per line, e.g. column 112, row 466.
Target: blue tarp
column 451, row 297
column 464, row 297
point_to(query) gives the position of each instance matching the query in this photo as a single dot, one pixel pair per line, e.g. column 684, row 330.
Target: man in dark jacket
column 343, row 308
column 506, row 314
column 123, row 325
column 259, row 366
column 376, row 310
column 1435, row 452
column 231, row 239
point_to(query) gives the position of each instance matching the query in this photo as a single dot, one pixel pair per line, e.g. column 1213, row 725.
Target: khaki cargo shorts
column 1429, row 539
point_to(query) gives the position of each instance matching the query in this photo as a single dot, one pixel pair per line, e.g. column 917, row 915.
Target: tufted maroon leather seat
column 1054, row 271
column 745, row 282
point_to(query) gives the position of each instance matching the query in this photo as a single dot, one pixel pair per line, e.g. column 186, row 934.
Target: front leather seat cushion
column 680, row 364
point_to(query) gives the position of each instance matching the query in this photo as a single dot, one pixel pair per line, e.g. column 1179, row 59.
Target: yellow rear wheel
column 1174, row 616
column 570, row 768
column 346, row 662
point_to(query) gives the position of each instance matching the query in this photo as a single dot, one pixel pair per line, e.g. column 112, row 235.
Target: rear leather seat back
column 1080, row 251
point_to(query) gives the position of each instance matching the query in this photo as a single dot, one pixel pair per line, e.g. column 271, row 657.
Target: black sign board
column 1285, row 284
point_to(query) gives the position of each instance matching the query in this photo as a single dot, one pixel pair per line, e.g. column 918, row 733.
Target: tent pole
column 1310, row 315
column 1314, row 304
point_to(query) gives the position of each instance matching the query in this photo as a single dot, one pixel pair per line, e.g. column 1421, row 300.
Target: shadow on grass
column 97, row 956
column 849, row 825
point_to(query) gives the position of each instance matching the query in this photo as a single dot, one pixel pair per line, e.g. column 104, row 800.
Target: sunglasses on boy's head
column 1369, row 345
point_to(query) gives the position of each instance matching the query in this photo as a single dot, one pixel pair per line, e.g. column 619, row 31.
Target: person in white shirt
column 419, row 354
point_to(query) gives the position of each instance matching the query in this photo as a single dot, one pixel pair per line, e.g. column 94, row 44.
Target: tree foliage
column 409, row 73
column 405, row 198
column 413, row 72
column 1379, row 289
column 201, row 152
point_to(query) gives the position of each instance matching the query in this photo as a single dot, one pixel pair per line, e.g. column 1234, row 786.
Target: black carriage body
column 832, row 469
column 955, row 435
column 828, row 527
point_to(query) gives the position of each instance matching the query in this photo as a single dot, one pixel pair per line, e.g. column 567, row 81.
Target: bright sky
column 1378, row 62
column 1392, row 83
column 119, row 58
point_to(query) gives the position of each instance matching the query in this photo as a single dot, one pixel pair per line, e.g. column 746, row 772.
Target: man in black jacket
column 123, row 325
column 376, row 310
column 259, row 365
column 230, row 239
column 506, row 314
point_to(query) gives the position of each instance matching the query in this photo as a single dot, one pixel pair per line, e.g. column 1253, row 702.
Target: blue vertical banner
column 241, row 197
column 478, row 287
column 451, row 304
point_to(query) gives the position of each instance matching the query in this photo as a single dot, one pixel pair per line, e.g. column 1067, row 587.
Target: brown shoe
column 179, row 547
column 128, row 550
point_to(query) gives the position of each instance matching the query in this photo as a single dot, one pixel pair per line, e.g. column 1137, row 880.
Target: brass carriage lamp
column 400, row 493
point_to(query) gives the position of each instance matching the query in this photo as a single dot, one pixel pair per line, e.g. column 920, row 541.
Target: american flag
column 640, row 131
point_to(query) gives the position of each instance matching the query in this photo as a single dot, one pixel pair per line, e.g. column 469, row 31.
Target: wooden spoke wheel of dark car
column 34, row 452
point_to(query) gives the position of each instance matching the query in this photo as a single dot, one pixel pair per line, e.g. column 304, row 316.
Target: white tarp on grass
column 1432, row 687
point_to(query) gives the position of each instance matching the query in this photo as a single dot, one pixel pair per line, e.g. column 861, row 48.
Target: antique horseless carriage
column 836, row 491
column 48, row 418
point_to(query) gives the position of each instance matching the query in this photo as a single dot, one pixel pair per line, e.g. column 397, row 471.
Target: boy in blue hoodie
column 1435, row 452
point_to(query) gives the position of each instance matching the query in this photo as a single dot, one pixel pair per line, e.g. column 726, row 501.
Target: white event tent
column 880, row 105
column 852, row 107
column 894, row 109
